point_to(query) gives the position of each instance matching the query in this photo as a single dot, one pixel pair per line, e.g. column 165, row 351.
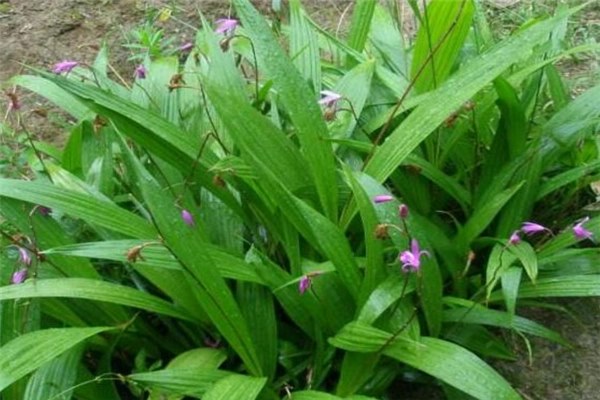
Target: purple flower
column 226, row 25
column 44, row 211
column 140, row 72
column 24, row 257
column 382, row 198
column 187, row 217
column 187, row 46
column 306, row 281
column 411, row 259
column 403, row 211
column 514, row 238
column 531, row 228
column 580, row 232
column 19, row 276
column 329, row 98
column 64, row 66
column 304, row 284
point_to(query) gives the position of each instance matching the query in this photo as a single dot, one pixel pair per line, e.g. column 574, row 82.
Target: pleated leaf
column 300, row 103
column 102, row 213
column 91, row 289
column 446, row 361
column 30, row 351
column 237, row 387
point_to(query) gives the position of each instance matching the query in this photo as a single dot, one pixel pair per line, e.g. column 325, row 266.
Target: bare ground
column 43, row 32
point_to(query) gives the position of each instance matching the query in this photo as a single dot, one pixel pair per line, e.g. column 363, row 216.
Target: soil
column 41, row 33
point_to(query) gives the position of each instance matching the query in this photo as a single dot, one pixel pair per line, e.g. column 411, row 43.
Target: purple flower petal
column 19, row 276
column 226, row 25
column 329, row 98
column 140, row 72
column 24, row 257
column 187, row 217
column 411, row 259
column 580, row 232
column 383, row 198
column 186, row 46
column 531, row 228
column 64, row 66
column 515, row 238
column 403, row 211
column 304, row 284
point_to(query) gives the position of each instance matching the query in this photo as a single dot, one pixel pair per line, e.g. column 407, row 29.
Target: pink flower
column 531, row 228
column 514, row 238
column 187, row 46
column 306, row 281
column 64, row 66
column 329, row 98
column 187, row 217
column 24, row 257
column 382, row 198
column 580, row 232
column 140, row 72
column 226, row 25
column 411, row 259
column 304, row 284
column 403, row 211
column 19, row 276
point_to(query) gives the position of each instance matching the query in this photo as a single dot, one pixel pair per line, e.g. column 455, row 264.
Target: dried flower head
column 381, row 232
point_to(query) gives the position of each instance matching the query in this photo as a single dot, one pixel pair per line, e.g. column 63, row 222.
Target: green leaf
column 256, row 304
column 361, row 24
column 564, row 286
column 304, row 46
column 476, row 314
column 54, row 93
column 235, row 387
column 183, row 381
column 56, row 377
column 91, row 289
column 446, row 361
column 300, row 103
column 90, row 209
column 30, row 351
column 528, row 257
column 483, row 216
column 444, row 28
column 459, row 88
column 209, row 287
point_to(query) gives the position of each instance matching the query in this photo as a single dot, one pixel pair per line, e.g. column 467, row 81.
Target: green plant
column 217, row 233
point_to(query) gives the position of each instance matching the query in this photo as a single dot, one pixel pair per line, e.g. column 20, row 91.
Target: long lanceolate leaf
column 92, row 210
column 27, row 353
column 299, row 102
column 186, row 243
column 444, row 360
column 317, row 229
column 91, row 289
column 455, row 91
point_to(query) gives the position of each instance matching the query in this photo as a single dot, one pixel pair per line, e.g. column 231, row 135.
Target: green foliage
column 245, row 239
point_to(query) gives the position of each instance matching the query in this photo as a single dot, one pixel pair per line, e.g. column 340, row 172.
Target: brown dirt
column 40, row 33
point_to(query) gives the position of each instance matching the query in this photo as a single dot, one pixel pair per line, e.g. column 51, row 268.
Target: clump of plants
column 284, row 213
